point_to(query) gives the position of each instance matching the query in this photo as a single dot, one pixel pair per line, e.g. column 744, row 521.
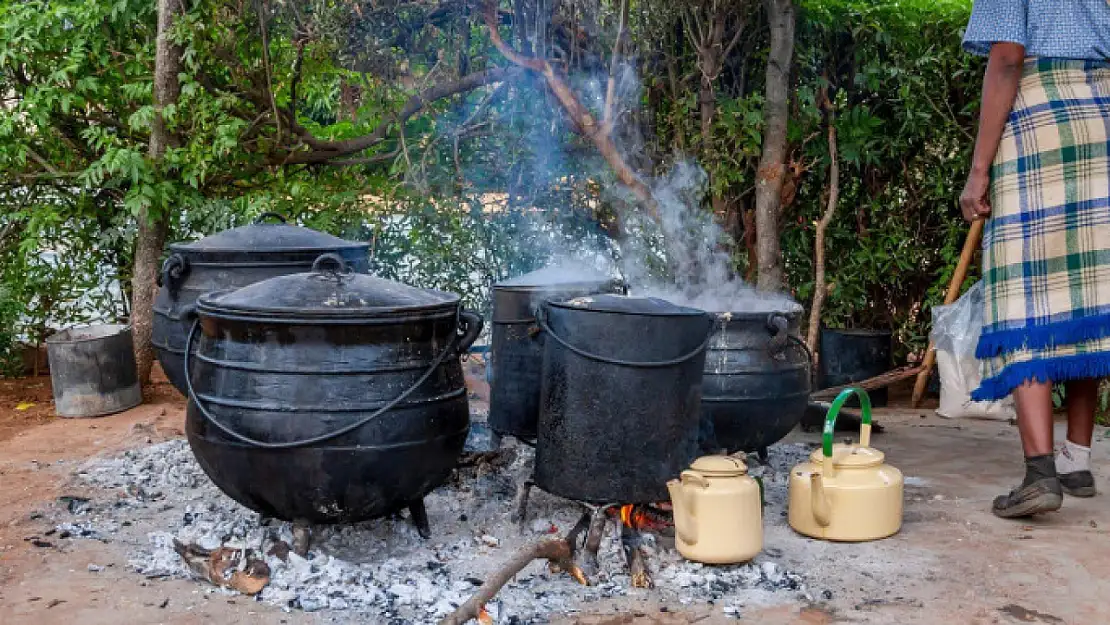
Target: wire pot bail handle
column 541, row 317
column 834, row 410
column 270, row 215
column 246, row 440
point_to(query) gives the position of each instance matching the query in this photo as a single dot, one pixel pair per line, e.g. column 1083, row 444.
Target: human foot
column 1041, row 491
column 1078, row 483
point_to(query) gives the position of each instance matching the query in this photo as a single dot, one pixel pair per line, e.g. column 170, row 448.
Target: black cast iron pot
column 518, row 345
column 757, row 379
column 229, row 260
column 621, row 397
column 330, row 396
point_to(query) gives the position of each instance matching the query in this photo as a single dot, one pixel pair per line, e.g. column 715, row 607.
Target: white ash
column 385, row 570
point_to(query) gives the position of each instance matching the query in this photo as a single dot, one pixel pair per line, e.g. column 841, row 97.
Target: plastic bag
column 956, row 329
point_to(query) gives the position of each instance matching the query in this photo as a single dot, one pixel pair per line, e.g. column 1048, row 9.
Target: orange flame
column 635, row 516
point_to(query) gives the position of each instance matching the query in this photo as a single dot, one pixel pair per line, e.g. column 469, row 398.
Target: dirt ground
column 962, row 564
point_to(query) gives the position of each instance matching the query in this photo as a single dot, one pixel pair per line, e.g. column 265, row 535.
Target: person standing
column 1040, row 177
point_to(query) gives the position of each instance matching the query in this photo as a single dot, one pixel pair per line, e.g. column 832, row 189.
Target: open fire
column 655, row 518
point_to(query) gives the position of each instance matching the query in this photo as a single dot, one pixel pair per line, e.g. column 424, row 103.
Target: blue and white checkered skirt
column 1046, row 247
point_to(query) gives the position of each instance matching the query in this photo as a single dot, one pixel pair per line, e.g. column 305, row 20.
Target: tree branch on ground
column 556, row 551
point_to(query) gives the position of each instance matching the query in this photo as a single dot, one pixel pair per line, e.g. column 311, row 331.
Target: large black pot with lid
column 620, row 405
column 228, row 260
column 329, row 396
column 518, row 345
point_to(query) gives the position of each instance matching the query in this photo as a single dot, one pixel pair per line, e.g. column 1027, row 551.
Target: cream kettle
column 718, row 512
column 846, row 492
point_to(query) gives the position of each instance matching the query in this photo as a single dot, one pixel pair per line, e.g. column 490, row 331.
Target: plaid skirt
column 1046, row 246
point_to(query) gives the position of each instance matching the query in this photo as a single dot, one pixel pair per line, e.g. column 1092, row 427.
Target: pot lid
column 719, row 466
column 268, row 237
column 629, row 305
column 851, row 456
column 560, row 276
column 329, row 291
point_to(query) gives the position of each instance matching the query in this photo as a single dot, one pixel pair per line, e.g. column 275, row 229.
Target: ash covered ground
column 382, row 570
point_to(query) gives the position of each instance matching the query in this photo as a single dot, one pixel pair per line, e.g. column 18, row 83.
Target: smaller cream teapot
column 845, row 492
column 718, row 512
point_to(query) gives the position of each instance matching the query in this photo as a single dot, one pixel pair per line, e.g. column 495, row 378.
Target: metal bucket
column 93, row 371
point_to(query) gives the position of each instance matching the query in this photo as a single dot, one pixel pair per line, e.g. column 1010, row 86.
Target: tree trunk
column 772, row 163
column 154, row 225
column 819, row 287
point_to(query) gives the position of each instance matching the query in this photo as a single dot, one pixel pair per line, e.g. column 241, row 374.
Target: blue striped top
column 1062, row 29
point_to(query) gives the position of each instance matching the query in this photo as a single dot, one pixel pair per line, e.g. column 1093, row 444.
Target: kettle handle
column 689, row 531
column 830, row 423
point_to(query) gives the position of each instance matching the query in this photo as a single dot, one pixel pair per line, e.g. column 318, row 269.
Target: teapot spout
column 819, row 501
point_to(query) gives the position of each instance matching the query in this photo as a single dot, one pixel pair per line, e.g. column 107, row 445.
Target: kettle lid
column 851, row 456
column 719, row 466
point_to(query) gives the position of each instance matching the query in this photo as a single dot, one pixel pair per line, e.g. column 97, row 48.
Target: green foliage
column 485, row 184
column 906, row 99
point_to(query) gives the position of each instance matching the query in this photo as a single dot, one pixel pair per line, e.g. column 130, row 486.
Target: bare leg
column 1082, row 398
column 1034, row 409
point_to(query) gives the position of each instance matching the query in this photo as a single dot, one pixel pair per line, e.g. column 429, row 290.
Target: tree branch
column 611, row 88
column 579, row 115
column 327, row 150
column 820, row 289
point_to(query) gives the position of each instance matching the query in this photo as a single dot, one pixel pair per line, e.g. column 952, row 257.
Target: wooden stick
column 556, row 550
column 870, row 384
column 974, row 236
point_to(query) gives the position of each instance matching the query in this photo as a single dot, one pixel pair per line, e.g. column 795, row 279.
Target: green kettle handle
column 834, row 410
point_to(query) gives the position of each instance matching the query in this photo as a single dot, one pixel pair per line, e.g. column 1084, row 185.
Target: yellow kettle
column 845, row 492
column 718, row 514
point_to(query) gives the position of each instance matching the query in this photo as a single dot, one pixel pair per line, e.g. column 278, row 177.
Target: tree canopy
column 405, row 123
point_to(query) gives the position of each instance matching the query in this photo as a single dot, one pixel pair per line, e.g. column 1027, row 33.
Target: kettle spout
column 819, row 500
column 683, row 502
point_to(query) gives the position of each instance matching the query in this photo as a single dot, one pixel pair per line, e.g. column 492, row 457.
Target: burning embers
column 655, row 518
column 632, row 521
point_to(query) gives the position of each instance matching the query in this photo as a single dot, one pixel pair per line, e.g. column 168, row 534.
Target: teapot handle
column 830, row 424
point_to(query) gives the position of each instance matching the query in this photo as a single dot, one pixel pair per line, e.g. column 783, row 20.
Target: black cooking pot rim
column 562, row 286
column 761, row 316
column 676, row 311
column 206, row 306
column 186, row 247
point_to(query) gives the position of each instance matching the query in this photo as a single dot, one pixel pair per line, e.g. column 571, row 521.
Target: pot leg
column 520, row 503
column 420, row 518
column 302, row 538
column 763, row 455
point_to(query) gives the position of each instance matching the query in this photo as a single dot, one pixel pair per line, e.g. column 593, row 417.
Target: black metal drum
column 329, row 397
column 229, row 260
column 518, row 345
column 621, row 397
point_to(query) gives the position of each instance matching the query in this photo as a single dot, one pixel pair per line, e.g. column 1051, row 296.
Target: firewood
column 637, row 562
column 555, row 550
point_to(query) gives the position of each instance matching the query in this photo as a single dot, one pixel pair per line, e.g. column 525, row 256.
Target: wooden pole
column 974, row 236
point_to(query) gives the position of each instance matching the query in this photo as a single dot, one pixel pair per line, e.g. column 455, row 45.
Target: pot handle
column 472, row 325
column 172, row 271
column 270, row 215
column 330, row 263
column 830, row 423
column 246, row 440
column 541, row 316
